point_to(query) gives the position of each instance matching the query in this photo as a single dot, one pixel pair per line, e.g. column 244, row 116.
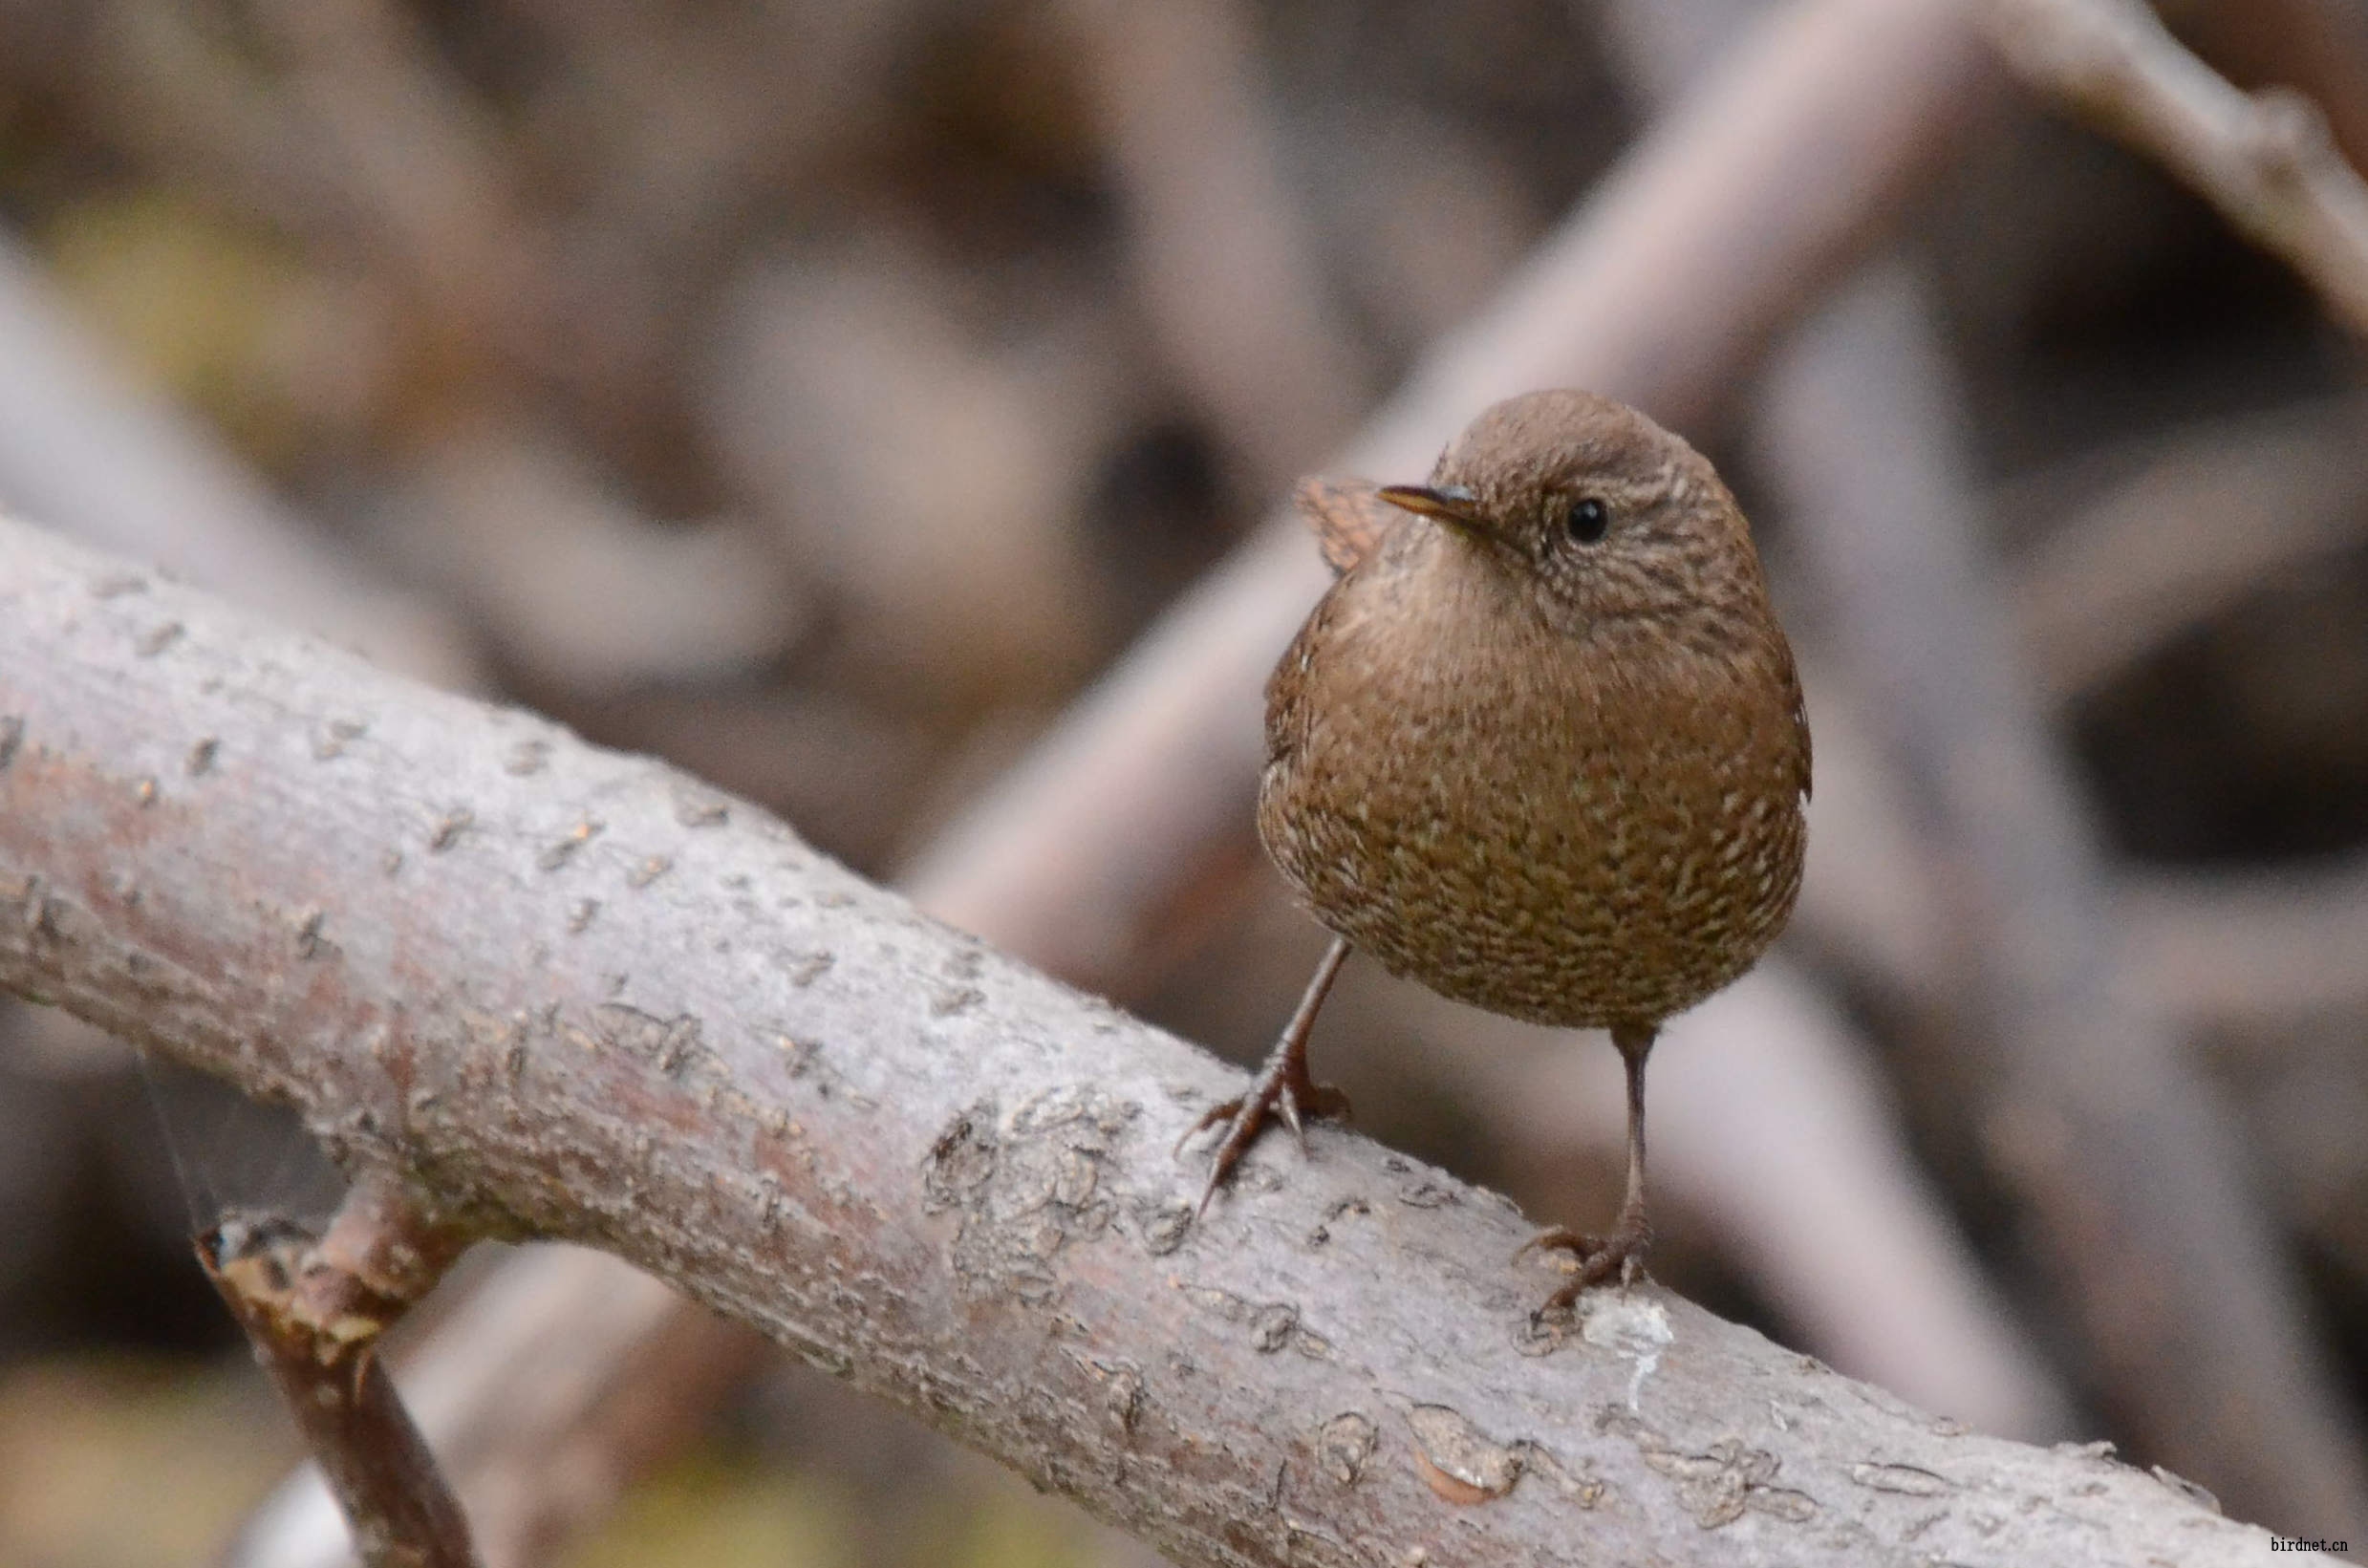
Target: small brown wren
column 1541, row 747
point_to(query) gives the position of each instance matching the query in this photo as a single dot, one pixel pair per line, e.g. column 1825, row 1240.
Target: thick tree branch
column 1661, row 285
column 571, row 994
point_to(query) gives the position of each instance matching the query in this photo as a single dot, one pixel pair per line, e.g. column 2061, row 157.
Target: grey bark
column 571, row 994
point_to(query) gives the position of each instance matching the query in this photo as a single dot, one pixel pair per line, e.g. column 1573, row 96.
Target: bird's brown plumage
column 1541, row 747
column 1559, row 780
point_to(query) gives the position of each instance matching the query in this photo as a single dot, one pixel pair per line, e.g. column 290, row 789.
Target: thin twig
column 315, row 1312
column 2319, row 47
column 2263, row 159
column 561, row 1377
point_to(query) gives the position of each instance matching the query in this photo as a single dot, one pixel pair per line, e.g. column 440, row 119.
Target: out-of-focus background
column 819, row 396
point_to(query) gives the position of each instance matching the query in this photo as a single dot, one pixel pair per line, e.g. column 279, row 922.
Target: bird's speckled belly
column 1661, row 873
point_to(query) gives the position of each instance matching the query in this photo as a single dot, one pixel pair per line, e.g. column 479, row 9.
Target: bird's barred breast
column 1609, row 852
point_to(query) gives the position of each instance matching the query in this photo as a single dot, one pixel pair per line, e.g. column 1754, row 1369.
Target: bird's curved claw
column 1296, row 1098
column 1621, row 1251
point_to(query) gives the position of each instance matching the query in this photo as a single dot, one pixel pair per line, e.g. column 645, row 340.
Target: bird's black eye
column 1588, row 521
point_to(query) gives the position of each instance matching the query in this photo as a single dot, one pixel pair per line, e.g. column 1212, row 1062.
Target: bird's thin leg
column 1282, row 1086
column 1621, row 1250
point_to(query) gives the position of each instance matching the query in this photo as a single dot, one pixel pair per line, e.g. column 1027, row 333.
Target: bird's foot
column 1282, row 1089
column 1598, row 1258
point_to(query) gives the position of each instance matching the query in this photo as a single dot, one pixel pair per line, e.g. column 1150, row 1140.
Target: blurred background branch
column 826, row 397
column 2266, row 159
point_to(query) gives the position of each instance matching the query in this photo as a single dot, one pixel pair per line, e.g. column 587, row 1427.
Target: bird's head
column 1597, row 513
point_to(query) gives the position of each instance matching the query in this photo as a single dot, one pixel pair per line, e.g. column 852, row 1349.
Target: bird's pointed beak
column 1451, row 504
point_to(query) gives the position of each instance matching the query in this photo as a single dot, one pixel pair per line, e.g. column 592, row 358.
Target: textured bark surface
column 573, row 993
